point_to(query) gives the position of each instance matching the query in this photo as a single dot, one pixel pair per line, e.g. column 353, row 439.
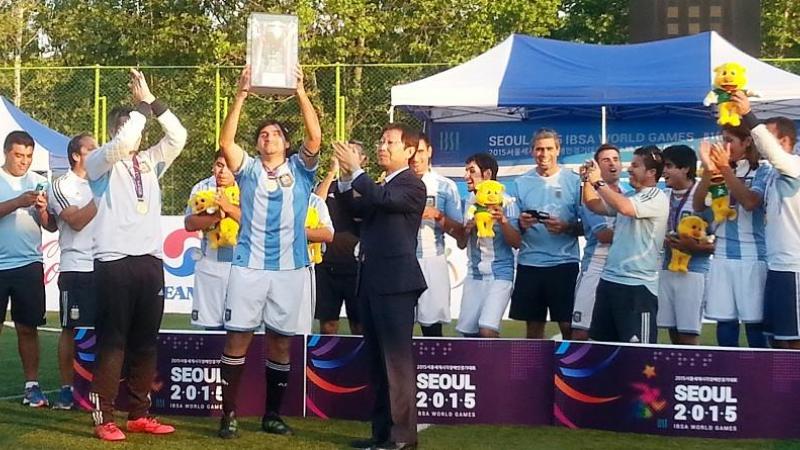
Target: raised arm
column 313, row 134
column 749, row 199
column 769, row 147
column 234, row 155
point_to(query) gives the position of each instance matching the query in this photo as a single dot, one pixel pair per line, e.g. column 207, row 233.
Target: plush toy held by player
column 720, row 199
column 224, row 233
column 487, row 193
column 695, row 228
column 313, row 222
column 728, row 78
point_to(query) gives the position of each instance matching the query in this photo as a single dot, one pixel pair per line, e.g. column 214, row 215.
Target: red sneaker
column 109, row 432
column 149, row 425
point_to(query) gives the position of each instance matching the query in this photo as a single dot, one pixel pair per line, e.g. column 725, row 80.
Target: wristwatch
column 598, row 184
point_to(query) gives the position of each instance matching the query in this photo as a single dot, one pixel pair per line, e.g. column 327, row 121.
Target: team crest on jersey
column 195, row 314
column 227, row 315
column 576, row 316
column 286, row 180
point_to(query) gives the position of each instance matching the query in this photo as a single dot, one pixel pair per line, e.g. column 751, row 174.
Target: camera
column 538, row 215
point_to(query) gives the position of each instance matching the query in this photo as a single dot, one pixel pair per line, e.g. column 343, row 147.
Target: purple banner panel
column 188, row 380
column 677, row 391
column 459, row 381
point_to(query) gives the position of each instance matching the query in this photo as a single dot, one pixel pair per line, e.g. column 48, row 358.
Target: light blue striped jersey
column 274, row 206
column 745, row 237
column 221, row 254
column 558, row 195
column 20, row 234
column 491, row 258
column 594, row 252
column 680, row 207
column 634, row 254
column 442, row 194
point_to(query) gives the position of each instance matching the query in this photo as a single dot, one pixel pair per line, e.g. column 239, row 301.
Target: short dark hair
column 683, row 157
column 652, row 158
column 484, row 161
column 424, row 137
column 409, row 136
column 785, row 126
column 74, row 147
column 604, row 147
column 117, row 117
column 284, row 131
column 18, row 137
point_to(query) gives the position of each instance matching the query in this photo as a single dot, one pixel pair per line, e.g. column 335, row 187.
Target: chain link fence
column 352, row 102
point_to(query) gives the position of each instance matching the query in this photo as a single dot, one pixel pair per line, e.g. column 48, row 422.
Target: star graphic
column 649, row 371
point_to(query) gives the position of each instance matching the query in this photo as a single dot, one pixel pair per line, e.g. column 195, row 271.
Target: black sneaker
column 273, row 424
column 228, row 427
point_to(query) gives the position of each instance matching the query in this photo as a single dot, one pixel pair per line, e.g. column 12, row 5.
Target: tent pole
column 391, row 114
column 603, row 135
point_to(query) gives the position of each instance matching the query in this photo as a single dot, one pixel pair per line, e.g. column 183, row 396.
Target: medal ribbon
column 138, row 186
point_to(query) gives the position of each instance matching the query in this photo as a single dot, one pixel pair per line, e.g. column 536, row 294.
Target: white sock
column 30, row 384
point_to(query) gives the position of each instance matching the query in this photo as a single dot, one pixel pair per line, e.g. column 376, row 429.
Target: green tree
column 780, row 28
column 594, row 21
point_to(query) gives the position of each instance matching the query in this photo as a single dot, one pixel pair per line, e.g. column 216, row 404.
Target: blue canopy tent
column 624, row 94
column 50, row 152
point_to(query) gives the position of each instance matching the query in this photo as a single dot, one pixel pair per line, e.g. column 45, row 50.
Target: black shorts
column 537, row 289
column 336, row 283
column 25, row 287
column 782, row 306
column 624, row 313
column 77, row 303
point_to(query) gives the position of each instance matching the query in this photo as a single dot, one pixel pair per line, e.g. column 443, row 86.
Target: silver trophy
column 272, row 53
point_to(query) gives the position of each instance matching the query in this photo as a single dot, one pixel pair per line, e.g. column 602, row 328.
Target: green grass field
column 27, row 428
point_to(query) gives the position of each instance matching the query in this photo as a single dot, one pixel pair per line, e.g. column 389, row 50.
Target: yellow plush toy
column 728, row 78
column 720, row 199
column 313, row 222
column 225, row 232
column 487, row 193
column 695, row 228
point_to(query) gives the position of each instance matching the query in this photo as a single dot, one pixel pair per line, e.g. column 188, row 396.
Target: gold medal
column 141, row 207
column 272, row 184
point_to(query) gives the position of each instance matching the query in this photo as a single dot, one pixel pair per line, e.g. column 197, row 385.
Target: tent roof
column 526, row 72
column 50, row 151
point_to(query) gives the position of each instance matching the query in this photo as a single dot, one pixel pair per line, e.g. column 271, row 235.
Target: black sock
column 434, row 330
column 277, row 379
column 231, row 368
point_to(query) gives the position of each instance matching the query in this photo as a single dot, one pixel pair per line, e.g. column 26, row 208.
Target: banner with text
column 679, row 391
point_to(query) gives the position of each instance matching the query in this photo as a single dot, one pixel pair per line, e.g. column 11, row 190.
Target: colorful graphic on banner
column 458, row 381
column 510, row 142
column 677, row 391
column 188, row 380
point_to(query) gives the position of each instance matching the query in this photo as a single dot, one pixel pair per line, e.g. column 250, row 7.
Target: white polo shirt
column 122, row 229
column 76, row 246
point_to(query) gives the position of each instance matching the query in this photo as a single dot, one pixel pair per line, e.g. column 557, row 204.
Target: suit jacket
column 391, row 216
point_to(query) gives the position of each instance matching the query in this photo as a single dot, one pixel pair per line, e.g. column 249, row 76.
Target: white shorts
column 270, row 297
column 736, row 290
column 483, row 304
column 434, row 304
column 208, row 295
column 305, row 318
column 585, row 290
column 680, row 301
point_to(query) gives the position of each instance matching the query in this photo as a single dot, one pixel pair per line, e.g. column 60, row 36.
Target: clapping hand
column 139, row 88
column 349, row 160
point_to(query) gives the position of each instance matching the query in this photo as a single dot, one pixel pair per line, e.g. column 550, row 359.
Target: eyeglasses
column 380, row 144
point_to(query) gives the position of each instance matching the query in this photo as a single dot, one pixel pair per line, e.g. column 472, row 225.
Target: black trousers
column 388, row 322
column 130, row 300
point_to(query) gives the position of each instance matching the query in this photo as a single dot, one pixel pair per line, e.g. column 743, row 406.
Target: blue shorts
column 782, row 306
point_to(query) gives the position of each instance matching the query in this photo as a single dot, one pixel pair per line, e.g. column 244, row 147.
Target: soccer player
column 680, row 296
column 129, row 272
column 442, row 215
column 626, row 300
column 547, row 268
column 599, row 232
column 71, row 202
column 212, row 270
column 323, row 234
column 735, row 284
column 270, row 262
column 336, row 274
column 775, row 140
column 490, row 277
column 23, row 214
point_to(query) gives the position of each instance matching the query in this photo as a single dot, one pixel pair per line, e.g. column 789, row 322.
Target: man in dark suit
column 390, row 279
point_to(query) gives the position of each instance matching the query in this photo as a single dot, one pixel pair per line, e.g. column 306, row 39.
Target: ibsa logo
column 175, row 248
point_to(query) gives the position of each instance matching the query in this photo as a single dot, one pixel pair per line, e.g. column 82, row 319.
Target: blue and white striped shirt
column 745, row 237
column 491, row 258
column 221, row 254
column 274, row 207
column 442, row 194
